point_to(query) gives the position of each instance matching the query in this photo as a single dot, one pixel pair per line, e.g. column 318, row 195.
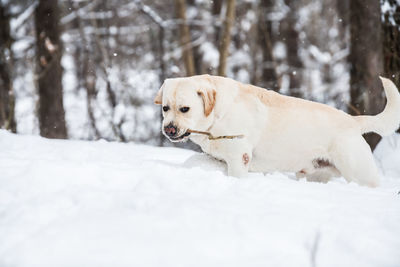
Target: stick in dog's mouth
column 211, row 137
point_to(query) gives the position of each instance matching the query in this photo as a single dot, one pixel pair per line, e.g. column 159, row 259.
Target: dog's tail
column 388, row 121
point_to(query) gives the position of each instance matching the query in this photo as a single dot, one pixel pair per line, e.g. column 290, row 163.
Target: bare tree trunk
column 90, row 85
column 104, row 62
column 196, row 30
column 185, row 39
column 49, row 71
column 163, row 75
column 226, row 36
column 366, row 60
column 161, row 52
column 86, row 71
column 216, row 11
column 160, row 40
column 391, row 44
column 294, row 62
column 7, row 101
column 269, row 78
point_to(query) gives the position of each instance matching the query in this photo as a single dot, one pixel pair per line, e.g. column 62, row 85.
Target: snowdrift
column 75, row 203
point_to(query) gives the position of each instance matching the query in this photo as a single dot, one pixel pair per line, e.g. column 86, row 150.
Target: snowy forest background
column 89, row 69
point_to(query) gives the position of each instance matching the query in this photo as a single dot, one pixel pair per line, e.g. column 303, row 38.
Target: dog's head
column 187, row 103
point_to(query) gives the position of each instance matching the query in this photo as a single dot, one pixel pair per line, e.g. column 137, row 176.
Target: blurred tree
column 105, row 61
column 184, row 38
column 85, row 70
column 7, row 120
column 116, row 53
column 391, row 42
column 226, row 36
column 269, row 77
column 216, row 11
column 196, row 30
column 366, row 61
column 291, row 36
column 49, row 71
column 160, row 48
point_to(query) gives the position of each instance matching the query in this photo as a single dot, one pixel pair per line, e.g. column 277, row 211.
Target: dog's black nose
column 170, row 130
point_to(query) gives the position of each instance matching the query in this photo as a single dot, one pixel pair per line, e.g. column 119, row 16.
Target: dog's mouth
column 179, row 138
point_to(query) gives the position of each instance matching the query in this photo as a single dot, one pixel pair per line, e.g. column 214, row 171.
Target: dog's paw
column 205, row 162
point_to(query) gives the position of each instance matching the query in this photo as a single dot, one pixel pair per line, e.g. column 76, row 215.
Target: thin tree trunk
column 162, row 76
column 104, row 62
column 89, row 80
column 197, row 53
column 269, row 78
column 161, row 53
column 216, row 11
column 391, row 44
column 226, row 37
column 291, row 39
column 7, row 101
column 366, row 60
column 160, row 50
column 49, row 71
column 90, row 85
column 185, row 39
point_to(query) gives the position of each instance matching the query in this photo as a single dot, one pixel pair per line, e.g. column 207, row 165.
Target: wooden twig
column 211, row 137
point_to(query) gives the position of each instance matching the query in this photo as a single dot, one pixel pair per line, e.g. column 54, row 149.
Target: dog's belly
column 293, row 147
column 289, row 159
column 270, row 164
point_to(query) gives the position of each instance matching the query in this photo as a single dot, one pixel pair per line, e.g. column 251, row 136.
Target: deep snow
column 75, row 203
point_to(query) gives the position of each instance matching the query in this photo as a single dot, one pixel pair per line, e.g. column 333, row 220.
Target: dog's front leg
column 236, row 153
column 238, row 164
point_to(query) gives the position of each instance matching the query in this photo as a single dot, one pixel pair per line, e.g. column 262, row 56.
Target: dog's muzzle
column 171, row 132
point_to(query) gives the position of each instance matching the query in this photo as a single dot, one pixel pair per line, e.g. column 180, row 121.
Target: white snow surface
column 76, row 203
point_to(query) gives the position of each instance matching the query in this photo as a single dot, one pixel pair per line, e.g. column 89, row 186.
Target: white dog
column 281, row 133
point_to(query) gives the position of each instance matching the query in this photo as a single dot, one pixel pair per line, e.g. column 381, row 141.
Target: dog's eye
column 165, row 108
column 184, row 109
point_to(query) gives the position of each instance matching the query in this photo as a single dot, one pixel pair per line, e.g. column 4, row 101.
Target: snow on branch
column 77, row 13
column 150, row 13
column 20, row 20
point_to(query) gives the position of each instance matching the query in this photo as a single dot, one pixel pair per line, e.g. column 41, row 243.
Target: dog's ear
column 208, row 96
column 158, row 98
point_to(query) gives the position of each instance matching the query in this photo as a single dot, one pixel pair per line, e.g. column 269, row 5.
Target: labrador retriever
column 281, row 133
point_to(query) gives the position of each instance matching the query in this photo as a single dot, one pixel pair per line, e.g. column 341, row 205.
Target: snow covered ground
column 75, row 203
